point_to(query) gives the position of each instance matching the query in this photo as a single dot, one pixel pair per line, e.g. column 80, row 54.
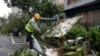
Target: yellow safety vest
column 29, row 26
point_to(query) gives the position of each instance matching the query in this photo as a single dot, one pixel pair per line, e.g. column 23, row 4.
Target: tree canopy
column 45, row 7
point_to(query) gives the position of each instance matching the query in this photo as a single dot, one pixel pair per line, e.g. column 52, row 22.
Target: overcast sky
column 4, row 10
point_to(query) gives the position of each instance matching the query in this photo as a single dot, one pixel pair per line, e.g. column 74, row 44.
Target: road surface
column 7, row 46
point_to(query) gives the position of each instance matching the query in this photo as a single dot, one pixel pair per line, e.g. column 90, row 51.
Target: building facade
column 90, row 9
column 58, row 2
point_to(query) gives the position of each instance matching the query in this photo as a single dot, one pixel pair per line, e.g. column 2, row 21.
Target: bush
column 2, row 23
column 23, row 52
column 94, row 33
column 76, row 31
column 15, row 21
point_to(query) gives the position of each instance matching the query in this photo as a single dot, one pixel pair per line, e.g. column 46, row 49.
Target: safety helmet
column 36, row 16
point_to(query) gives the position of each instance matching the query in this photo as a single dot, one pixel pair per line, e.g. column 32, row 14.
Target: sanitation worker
column 30, row 27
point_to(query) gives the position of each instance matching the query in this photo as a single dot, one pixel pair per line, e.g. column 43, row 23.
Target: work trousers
column 29, row 39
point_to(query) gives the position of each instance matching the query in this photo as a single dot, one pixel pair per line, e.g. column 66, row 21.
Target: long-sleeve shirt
column 31, row 25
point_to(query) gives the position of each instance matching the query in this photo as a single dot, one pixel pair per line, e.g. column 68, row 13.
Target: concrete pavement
column 6, row 45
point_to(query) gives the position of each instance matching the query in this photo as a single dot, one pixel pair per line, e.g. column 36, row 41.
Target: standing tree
column 48, row 8
column 45, row 7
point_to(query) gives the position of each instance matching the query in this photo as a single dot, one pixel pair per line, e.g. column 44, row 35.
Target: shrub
column 94, row 33
column 15, row 21
column 23, row 52
column 2, row 23
column 77, row 31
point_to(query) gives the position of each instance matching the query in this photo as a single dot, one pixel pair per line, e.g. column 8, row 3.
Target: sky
column 4, row 10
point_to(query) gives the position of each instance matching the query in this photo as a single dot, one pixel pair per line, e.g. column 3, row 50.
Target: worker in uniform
column 30, row 27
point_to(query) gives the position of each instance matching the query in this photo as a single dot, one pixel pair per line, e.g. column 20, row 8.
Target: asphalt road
column 9, row 44
column 7, row 47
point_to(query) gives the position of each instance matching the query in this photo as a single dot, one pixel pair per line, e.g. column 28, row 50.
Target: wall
column 90, row 18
